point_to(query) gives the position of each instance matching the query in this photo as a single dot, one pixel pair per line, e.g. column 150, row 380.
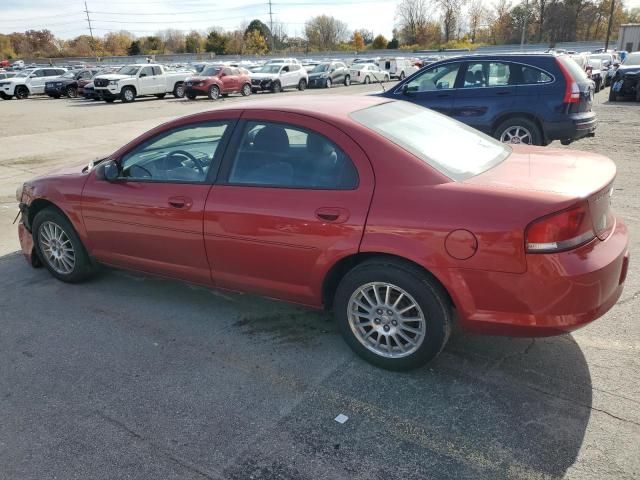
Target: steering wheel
column 141, row 168
column 190, row 157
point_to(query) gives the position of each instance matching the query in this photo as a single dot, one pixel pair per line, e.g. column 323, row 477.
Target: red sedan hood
column 561, row 171
column 73, row 169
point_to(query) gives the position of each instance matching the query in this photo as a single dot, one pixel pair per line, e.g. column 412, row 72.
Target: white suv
column 397, row 67
column 28, row 82
column 288, row 61
column 275, row 77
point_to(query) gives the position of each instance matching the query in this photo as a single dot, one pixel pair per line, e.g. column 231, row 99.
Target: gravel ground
column 136, row 377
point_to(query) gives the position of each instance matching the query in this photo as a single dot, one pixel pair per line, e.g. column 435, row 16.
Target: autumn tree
column 255, row 43
column 134, row 48
column 367, row 35
column 379, row 43
column 193, row 42
column 235, row 42
column 357, row 41
column 411, row 19
column 450, row 11
column 476, row 17
column 216, row 42
column 6, row 50
column 324, row 32
column 261, row 28
column 117, row 43
column 151, row 44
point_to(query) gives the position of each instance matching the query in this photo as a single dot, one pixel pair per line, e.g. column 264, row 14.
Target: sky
column 145, row 17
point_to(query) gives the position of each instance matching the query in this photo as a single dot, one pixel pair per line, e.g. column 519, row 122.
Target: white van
column 398, row 67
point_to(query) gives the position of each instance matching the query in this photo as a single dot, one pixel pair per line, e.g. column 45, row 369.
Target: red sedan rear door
column 291, row 200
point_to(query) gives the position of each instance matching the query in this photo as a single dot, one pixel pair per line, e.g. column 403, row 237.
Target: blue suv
column 527, row 98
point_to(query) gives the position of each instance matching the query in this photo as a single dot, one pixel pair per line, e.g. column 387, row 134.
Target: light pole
column 524, row 23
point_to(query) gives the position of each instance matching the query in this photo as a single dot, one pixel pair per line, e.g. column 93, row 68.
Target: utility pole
column 271, row 26
column 93, row 42
column 613, row 7
column 524, row 23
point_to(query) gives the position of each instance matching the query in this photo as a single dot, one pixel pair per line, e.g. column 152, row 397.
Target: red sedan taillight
column 560, row 231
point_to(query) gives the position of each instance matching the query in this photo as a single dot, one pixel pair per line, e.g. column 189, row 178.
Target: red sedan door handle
column 184, row 203
column 332, row 214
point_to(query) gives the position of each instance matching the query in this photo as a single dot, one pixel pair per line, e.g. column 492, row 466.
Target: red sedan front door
column 292, row 199
column 150, row 219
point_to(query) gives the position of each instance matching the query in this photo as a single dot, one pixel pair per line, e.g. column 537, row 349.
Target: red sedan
column 216, row 80
column 398, row 218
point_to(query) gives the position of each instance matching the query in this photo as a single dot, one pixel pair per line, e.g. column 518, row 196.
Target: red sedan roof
column 319, row 105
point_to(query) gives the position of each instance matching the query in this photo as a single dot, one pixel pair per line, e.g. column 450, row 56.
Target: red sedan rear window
column 456, row 150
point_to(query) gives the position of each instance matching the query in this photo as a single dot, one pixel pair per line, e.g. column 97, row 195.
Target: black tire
column 191, row 96
column 246, row 90
column 71, row 92
column 214, row 92
column 302, row 84
column 328, row 83
column 108, row 100
column 367, row 80
column 178, row 90
column 21, row 92
column 613, row 96
column 128, row 95
column 160, row 96
column 347, row 80
column 533, row 129
column 83, row 267
column 402, row 76
column 427, row 293
column 55, row 96
column 4, row 96
column 276, row 87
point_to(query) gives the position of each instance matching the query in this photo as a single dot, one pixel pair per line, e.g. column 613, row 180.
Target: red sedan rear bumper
column 558, row 293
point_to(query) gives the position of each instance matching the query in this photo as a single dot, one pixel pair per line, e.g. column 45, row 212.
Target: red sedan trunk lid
column 569, row 173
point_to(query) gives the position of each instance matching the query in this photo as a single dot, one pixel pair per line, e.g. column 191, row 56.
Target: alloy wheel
column 386, row 319
column 516, row 134
column 56, row 247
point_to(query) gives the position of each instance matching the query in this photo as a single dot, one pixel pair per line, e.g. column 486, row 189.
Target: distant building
column 629, row 37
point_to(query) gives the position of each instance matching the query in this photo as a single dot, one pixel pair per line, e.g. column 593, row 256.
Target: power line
column 192, row 12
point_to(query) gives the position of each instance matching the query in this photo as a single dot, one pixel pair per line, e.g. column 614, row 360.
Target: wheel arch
column 132, row 87
column 337, row 272
column 40, row 204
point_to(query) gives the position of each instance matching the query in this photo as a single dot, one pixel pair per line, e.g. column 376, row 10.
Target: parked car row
column 625, row 82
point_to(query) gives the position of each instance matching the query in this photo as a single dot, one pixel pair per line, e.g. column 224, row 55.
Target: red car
column 398, row 218
column 216, row 80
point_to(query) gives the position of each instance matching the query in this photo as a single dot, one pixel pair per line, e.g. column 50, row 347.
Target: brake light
column 560, row 231
column 571, row 89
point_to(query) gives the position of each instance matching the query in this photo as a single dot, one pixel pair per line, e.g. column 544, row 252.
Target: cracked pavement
column 136, row 377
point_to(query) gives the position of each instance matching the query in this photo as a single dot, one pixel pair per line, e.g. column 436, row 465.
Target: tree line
column 429, row 24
